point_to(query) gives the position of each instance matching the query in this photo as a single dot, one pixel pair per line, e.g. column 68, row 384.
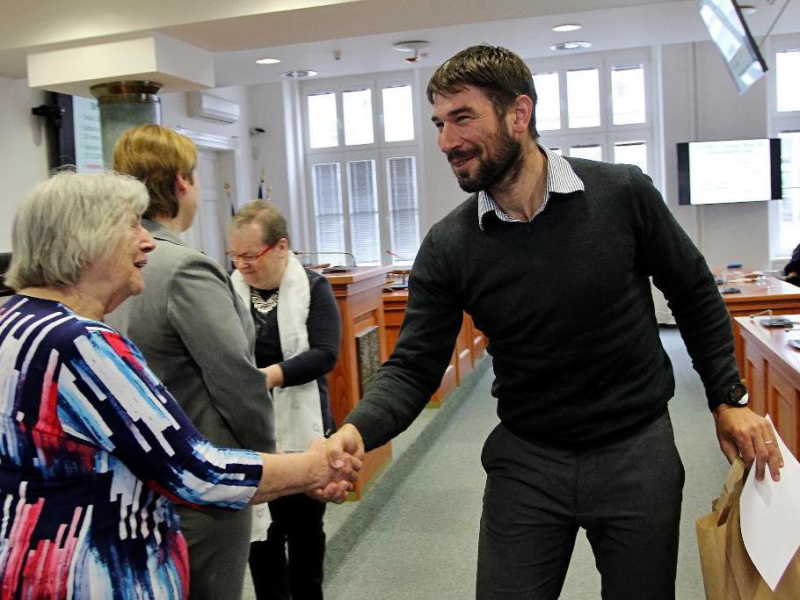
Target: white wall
column 267, row 112
column 23, row 151
column 439, row 191
column 700, row 103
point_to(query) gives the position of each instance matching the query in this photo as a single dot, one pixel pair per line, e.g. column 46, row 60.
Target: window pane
column 583, row 98
column 398, row 115
column 401, row 174
column 787, row 67
column 789, row 224
column 322, row 123
column 357, row 107
column 627, row 95
column 631, row 153
column 548, row 104
column 364, row 226
column 326, row 180
column 590, row 151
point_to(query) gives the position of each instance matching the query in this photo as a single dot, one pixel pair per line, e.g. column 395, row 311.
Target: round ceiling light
column 299, row 74
column 268, row 61
column 415, row 47
column 747, row 9
column 571, row 46
column 411, row 46
column 566, row 27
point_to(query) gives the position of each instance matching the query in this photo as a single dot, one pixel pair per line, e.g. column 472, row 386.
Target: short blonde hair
column 269, row 218
column 155, row 155
column 68, row 222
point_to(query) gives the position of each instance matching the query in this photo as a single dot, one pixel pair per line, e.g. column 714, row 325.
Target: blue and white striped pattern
column 92, row 450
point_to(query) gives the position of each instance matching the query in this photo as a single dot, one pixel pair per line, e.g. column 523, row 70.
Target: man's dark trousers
column 626, row 495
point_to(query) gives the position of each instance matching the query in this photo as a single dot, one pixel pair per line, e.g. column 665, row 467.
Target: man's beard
column 493, row 169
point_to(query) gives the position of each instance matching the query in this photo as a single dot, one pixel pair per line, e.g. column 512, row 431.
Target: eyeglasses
column 248, row 258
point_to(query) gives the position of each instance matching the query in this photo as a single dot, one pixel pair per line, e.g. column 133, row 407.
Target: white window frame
column 606, row 134
column 779, row 122
column 379, row 150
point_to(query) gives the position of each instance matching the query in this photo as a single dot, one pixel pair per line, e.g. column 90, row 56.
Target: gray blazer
column 198, row 338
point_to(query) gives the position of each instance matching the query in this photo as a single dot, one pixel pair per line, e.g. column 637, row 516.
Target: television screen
column 729, row 171
column 730, row 33
column 78, row 140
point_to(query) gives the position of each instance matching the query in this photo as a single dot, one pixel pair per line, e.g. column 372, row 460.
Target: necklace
column 264, row 306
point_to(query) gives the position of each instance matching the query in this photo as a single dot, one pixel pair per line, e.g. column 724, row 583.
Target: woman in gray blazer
column 198, row 337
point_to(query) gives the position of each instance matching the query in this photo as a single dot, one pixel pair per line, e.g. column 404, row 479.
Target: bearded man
column 552, row 258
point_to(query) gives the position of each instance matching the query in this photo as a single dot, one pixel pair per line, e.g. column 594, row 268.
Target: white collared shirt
column 561, row 179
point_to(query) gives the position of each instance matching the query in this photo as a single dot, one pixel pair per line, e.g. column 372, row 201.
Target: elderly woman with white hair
column 93, row 448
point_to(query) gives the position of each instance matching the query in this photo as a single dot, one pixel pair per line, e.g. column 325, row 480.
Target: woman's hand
column 274, row 375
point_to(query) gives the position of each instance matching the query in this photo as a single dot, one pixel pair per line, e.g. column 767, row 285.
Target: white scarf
column 298, row 414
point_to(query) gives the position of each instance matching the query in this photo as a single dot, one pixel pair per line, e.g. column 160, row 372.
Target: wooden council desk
column 470, row 344
column 772, row 369
column 776, row 295
column 358, row 297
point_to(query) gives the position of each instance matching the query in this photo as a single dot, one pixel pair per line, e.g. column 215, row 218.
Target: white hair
column 68, row 222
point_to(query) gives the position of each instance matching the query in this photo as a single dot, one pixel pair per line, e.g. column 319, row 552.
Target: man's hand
column 741, row 432
column 334, row 483
column 345, row 451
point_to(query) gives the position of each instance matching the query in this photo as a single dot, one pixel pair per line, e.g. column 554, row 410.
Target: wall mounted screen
column 729, row 171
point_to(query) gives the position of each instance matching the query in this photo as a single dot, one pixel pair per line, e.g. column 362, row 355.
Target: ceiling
column 307, row 34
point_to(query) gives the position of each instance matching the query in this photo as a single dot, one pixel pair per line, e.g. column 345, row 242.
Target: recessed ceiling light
column 567, row 27
column 268, row 61
column 747, row 9
column 299, row 74
column 571, row 46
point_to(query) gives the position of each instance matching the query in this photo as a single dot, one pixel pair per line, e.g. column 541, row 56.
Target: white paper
column 770, row 517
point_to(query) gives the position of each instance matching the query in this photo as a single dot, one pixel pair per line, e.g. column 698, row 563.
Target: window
column 784, row 87
column 787, row 73
column 361, row 150
column 607, row 111
column 548, row 105
column 583, row 98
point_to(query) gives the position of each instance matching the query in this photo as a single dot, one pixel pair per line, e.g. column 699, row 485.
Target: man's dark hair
column 500, row 73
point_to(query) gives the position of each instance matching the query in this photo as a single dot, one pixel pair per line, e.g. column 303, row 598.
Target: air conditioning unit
column 212, row 108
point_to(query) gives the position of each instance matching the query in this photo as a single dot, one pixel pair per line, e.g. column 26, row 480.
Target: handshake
column 336, row 462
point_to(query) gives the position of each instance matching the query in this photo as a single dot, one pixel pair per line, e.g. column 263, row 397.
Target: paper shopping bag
column 728, row 572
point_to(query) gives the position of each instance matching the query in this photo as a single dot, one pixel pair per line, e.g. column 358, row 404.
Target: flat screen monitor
column 729, row 171
column 730, row 33
column 77, row 137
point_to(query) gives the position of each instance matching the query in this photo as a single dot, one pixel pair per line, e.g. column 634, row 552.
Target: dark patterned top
column 93, row 450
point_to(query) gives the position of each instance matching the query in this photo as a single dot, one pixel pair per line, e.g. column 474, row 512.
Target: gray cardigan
column 198, row 338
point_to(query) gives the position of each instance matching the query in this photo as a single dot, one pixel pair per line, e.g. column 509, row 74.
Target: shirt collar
column 561, row 179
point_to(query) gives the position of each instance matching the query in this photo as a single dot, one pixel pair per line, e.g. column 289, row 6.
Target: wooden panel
column 783, row 407
column 358, row 297
column 464, row 356
column 776, row 296
column 773, row 365
column 755, row 372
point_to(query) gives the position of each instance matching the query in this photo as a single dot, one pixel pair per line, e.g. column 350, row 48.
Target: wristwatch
column 734, row 395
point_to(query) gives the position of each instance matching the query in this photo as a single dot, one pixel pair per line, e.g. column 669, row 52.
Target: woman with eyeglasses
column 297, row 343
